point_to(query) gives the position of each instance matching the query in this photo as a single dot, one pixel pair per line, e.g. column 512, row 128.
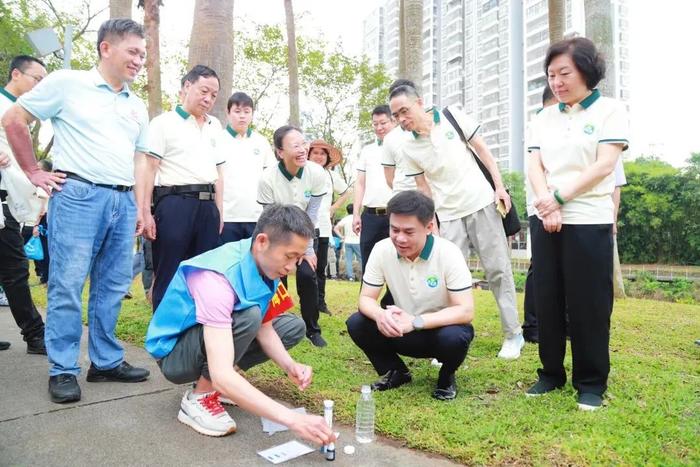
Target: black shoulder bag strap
column 481, row 165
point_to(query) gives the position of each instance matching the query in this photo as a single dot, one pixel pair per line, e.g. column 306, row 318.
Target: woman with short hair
column 575, row 146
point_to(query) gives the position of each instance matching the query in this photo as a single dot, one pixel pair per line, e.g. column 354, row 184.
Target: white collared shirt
column 246, row 158
column 187, row 151
column 377, row 192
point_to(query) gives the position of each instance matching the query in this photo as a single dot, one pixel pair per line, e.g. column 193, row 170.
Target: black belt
column 203, row 192
column 77, row 177
column 376, row 211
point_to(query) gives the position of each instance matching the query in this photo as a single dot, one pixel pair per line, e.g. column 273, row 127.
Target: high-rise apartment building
column 467, row 59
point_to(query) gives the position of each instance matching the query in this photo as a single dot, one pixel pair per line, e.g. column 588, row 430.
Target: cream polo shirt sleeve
column 265, row 192
column 318, row 179
column 374, row 271
column 616, row 127
column 268, row 155
column 457, row 275
column 533, row 143
column 468, row 125
column 389, row 150
column 219, row 156
column 361, row 164
column 156, row 137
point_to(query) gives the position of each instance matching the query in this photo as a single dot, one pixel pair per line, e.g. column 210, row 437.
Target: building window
column 489, row 5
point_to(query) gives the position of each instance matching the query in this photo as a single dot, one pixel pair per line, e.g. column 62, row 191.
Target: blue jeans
column 92, row 232
column 351, row 249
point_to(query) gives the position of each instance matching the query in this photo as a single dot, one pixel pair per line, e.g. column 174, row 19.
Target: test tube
column 328, row 415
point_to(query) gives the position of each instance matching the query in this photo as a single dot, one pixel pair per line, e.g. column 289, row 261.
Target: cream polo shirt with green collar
column 459, row 188
column 96, row 130
column 246, row 158
column 567, row 139
column 392, row 156
column 422, row 285
column 277, row 185
column 187, row 151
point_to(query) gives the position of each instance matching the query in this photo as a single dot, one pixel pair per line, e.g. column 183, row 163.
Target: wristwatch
column 418, row 323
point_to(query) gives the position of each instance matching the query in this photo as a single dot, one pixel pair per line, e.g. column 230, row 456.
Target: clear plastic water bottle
column 364, row 421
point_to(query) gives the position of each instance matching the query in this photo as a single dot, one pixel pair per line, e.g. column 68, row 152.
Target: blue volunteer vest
column 176, row 312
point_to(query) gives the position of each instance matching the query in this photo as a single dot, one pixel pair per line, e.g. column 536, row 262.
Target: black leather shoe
column 323, row 308
column 124, row 373
column 36, row 346
column 64, row 388
column 4, row 345
column 392, row 379
column 446, row 390
column 317, row 340
column 531, row 337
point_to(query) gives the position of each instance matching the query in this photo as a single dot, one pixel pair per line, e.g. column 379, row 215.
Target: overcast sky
column 664, row 58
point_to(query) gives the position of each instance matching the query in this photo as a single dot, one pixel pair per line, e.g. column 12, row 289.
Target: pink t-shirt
column 213, row 296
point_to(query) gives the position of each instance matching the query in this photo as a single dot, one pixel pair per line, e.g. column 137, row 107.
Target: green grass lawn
column 652, row 406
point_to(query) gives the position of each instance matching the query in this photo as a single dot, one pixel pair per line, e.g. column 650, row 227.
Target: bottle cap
column 327, row 404
column 366, row 389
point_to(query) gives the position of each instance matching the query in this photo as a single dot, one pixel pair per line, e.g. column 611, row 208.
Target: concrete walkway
column 135, row 424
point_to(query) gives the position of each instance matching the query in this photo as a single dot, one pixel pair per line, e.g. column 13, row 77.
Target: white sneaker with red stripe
column 205, row 414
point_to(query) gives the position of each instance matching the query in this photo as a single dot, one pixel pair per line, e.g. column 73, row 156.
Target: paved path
column 135, row 424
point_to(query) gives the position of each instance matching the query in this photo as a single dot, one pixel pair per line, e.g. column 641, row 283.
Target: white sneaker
column 511, row 347
column 435, row 362
column 3, row 299
column 205, row 414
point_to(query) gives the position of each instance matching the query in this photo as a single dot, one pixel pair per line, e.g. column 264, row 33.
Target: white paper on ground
column 271, row 427
column 285, row 452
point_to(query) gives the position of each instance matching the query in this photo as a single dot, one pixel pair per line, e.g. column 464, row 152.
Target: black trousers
column 307, row 289
column 185, row 227
column 448, row 344
column 374, row 229
column 14, row 277
column 573, row 275
column 321, row 249
column 235, row 231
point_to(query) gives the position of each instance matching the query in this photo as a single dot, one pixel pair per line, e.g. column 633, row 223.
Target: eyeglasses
column 403, row 111
column 34, row 77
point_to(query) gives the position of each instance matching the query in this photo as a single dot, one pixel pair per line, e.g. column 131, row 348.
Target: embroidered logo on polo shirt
column 450, row 134
column 432, row 281
column 588, row 129
column 307, row 193
column 256, row 151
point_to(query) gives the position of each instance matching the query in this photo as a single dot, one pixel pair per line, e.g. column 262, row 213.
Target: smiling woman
column 575, row 146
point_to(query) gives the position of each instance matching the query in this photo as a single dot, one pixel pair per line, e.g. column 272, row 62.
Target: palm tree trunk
column 599, row 29
column 211, row 44
column 293, row 65
column 412, row 41
column 120, row 8
column 557, row 20
column 151, row 20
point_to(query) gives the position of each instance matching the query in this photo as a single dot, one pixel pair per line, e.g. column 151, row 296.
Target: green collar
column 181, row 112
column 234, row 133
column 436, row 120
column 379, row 142
column 7, row 94
column 586, row 103
column 427, row 248
column 286, row 174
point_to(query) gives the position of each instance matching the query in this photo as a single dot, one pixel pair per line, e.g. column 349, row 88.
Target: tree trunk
column 293, row 65
column 211, row 44
column 120, row 8
column 599, row 29
column 411, row 48
column 151, row 21
column 557, row 20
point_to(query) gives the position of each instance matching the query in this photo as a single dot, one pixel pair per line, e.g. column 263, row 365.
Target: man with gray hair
column 467, row 207
column 222, row 309
column 100, row 129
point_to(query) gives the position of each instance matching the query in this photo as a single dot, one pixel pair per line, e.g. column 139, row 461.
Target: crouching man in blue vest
column 215, row 315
